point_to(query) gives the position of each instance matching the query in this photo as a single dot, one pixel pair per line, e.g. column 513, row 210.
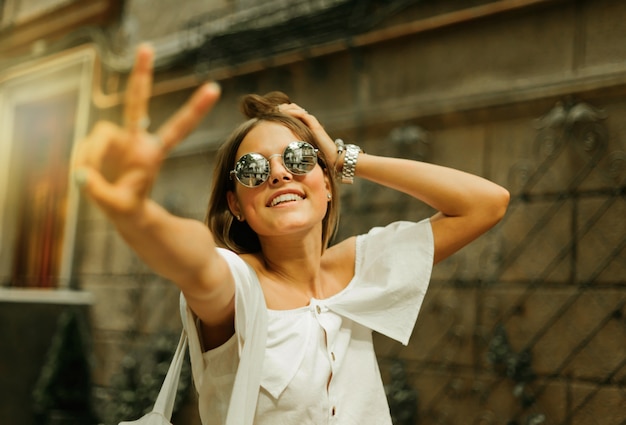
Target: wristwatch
column 349, row 163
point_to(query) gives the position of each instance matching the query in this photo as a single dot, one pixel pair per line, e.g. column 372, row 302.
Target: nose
column 278, row 172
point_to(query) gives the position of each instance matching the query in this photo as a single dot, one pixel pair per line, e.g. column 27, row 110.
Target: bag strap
column 167, row 395
column 245, row 394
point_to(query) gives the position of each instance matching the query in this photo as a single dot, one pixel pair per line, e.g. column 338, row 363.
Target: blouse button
column 332, row 355
column 318, row 309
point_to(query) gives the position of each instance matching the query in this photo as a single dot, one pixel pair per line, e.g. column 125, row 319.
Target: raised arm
column 116, row 167
column 467, row 205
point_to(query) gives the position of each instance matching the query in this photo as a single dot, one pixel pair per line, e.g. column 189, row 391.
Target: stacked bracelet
column 349, row 161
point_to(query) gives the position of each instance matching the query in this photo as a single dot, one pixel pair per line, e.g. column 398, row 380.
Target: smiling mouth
column 287, row 197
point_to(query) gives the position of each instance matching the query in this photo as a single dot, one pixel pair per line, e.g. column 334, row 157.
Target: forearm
column 178, row 249
column 467, row 205
column 452, row 192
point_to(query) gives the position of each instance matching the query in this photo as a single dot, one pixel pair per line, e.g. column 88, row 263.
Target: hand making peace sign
column 117, row 165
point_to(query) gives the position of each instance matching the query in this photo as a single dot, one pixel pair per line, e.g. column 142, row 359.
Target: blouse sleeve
column 392, row 272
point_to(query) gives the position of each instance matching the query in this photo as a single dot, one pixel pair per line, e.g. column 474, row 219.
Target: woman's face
column 285, row 203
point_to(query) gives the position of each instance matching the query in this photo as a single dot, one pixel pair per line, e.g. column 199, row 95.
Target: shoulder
column 338, row 264
column 399, row 233
column 384, row 243
column 340, row 254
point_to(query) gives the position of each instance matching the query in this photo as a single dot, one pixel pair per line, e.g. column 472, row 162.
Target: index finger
column 139, row 89
column 189, row 115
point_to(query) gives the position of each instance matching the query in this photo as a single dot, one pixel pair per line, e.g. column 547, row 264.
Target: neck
column 295, row 259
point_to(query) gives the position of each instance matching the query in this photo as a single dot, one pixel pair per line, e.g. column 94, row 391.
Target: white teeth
column 285, row 198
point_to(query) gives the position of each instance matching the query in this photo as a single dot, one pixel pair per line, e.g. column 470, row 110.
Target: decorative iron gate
column 547, row 334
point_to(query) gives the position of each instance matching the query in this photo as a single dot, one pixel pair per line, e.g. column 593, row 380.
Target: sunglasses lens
column 300, row 157
column 252, row 169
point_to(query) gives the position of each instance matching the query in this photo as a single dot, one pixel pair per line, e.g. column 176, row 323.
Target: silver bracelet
column 349, row 163
column 340, row 146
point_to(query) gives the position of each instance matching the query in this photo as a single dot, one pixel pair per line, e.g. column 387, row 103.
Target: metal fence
column 538, row 336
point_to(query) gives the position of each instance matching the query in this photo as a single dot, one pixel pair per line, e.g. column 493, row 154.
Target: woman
column 280, row 322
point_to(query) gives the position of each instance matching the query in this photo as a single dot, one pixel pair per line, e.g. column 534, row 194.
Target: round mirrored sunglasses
column 253, row 169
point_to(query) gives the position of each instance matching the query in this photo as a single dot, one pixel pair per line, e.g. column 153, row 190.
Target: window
column 44, row 110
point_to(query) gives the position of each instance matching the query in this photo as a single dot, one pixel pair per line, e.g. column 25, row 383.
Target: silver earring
column 329, row 196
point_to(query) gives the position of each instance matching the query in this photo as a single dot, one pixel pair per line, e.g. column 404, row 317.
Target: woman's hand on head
column 116, row 165
column 326, row 144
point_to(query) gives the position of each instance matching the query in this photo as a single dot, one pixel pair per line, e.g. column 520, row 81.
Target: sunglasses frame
column 258, row 157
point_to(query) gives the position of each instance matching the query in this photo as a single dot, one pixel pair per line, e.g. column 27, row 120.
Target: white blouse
column 315, row 364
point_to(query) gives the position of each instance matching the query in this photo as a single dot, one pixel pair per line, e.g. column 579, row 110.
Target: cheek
column 320, row 187
column 248, row 199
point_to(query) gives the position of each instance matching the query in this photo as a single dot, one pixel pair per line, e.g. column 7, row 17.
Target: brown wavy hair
column 236, row 235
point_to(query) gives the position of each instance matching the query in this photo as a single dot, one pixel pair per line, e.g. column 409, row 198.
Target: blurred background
column 525, row 326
